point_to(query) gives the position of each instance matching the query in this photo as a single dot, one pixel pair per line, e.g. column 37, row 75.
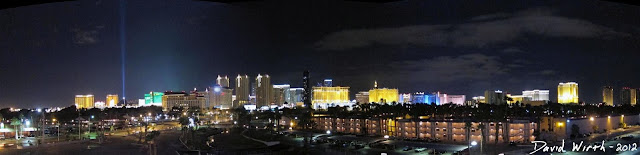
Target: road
column 119, row 142
column 113, row 145
column 168, row 144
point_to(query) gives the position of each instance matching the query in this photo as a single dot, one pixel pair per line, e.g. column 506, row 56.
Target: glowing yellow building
column 516, row 99
column 112, row 100
column 383, row 95
column 84, row 101
column 628, row 96
column 322, row 96
column 568, row 92
column 607, row 95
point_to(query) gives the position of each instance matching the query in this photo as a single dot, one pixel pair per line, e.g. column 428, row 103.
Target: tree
column 481, row 126
column 468, row 126
column 575, row 130
column 622, row 125
column 241, row 116
column 16, row 123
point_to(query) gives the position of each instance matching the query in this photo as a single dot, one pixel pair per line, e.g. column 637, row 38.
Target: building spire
column 375, row 84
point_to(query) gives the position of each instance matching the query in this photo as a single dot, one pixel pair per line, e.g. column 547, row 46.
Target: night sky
column 51, row 52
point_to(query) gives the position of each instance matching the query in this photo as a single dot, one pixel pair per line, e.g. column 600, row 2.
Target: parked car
column 407, row 148
column 7, row 145
column 358, row 146
column 420, row 149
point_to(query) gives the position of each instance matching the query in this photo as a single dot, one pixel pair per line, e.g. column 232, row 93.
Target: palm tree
column 497, row 126
column 468, row 126
column 481, row 126
column 16, row 122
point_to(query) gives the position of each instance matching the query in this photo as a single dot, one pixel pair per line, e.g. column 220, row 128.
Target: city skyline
column 223, row 80
column 189, row 44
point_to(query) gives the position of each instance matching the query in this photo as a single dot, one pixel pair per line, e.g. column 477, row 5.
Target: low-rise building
column 182, row 99
column 447, row 130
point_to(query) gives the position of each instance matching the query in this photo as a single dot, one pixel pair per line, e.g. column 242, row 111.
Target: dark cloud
column 453, row 69
column 512, row 50
column 492, row 29
column 86, row 36
column 490, row 17
column 196, row 19
column 547, row 72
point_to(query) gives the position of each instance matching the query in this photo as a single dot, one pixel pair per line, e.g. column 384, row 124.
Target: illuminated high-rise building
column 263, row 91
column 153, row 99
column 375, row 84
column 437, row 98
column 220, row 97
column 607, row 95
column 405, row 98
column 455, row 99
column 84, row 101
column 362, row 97
column 293, row 96
column 383, row 95
column 328, row 83
column 418, row 98
column 242, row 90
column 478, row 99
column 536, row 95
column 628, row 96
column 568, row 92
column 518, row 99
column 112, row 100
column 494, row 97
column 183, row 100
column 222, row 81
column 324, row 97
column 279, row 93
column 306, row 85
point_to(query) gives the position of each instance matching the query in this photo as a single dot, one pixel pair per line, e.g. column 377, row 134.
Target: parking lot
column 351, row 144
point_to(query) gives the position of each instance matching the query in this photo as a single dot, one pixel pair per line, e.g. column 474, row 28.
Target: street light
column 474, row 143
column 328, row 132
column 58, row 133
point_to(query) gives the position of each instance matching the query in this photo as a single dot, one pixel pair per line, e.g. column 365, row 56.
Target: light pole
column 90, row 126
column 58, row 126
column 43, row 125
column 79, row 126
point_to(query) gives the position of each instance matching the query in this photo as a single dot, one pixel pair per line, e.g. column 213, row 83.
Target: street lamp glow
column 386, row 136
column 328, row 132
column 591, row 119
column 474, row 143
